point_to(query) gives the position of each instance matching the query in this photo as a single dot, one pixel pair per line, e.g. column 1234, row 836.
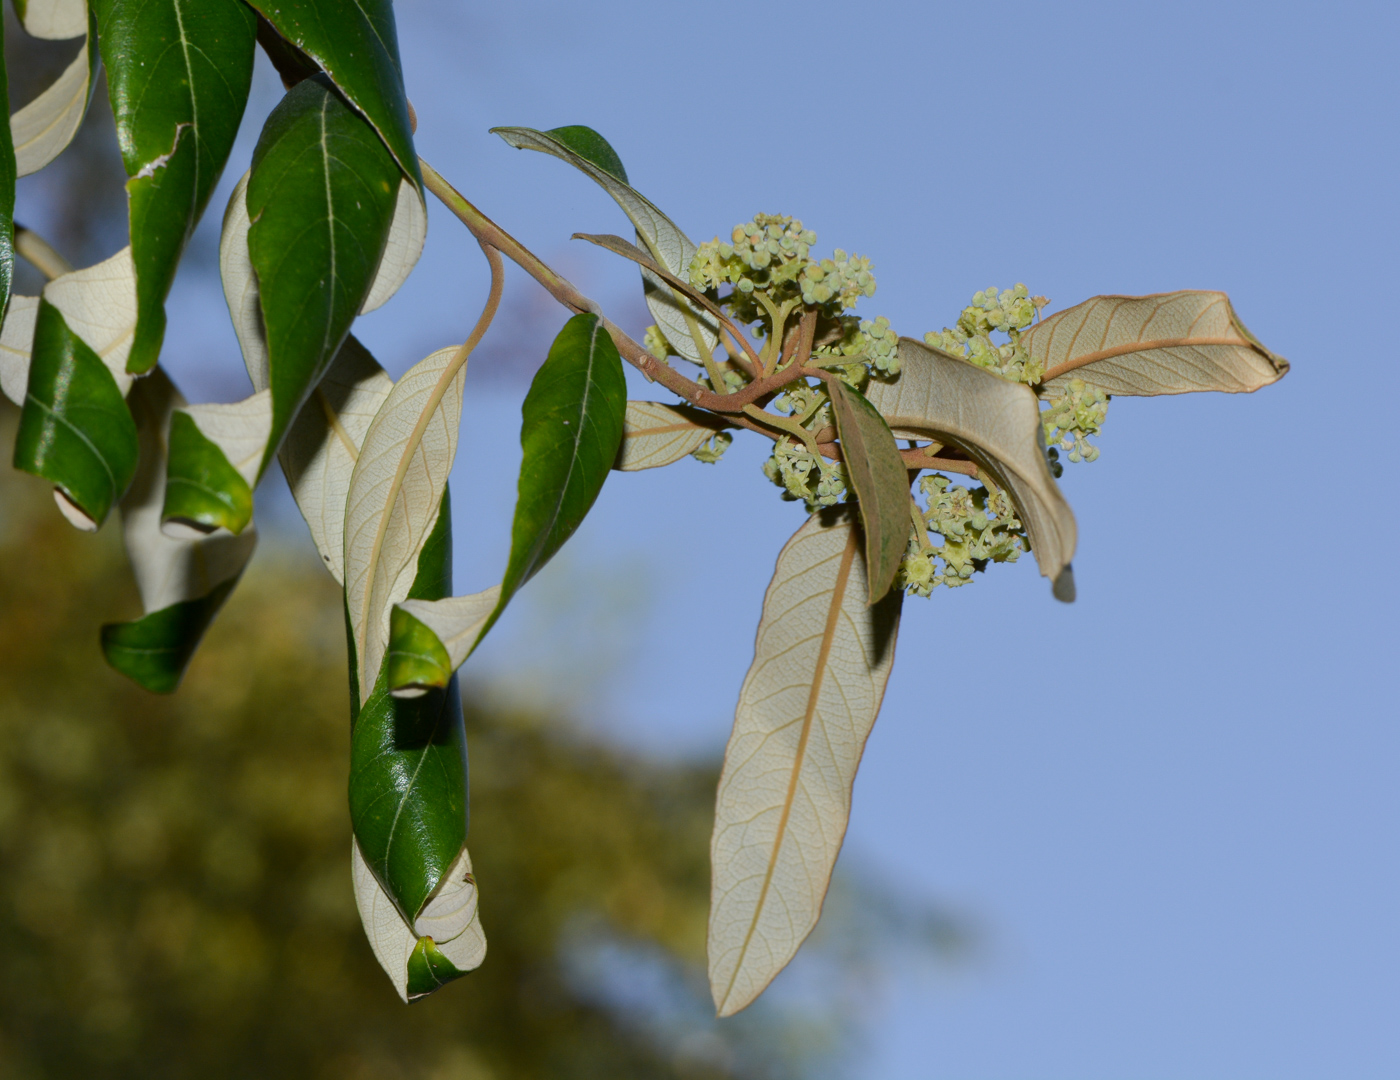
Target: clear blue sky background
column 1171, row 808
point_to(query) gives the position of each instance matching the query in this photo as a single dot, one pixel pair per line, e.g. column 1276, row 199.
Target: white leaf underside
column 997, row 423
column 395, row 493
column 654, row 435
column 1170, row 343
column 457, row 620
column 99, row 305
column 658, row 234
column 239, row 429
column 43, row 128
column 323, row 443
column 169, row 570
column 55, row 20
column 450, row 918
column 407, row 232
column 16, row 342
column 821, row 662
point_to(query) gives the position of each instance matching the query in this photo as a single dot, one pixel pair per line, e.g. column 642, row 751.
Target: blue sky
column 1169, row 809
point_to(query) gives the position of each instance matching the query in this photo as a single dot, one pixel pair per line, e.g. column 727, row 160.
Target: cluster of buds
column 713, row 449
column 1008, row 311
column 978, row 526
column 804, row 475
column 1074, row 414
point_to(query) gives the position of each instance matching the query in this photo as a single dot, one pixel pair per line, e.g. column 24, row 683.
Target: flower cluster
column 713, row 449
column 804, row 475
column 978, row 526
column 1075, row 413
column 1008, row 312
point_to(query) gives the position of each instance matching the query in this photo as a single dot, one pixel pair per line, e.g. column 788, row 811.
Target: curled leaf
column 44, row 128
column 53, row 20
column 430, row 639
column 16, row 340
column 996, row 423
column 1171, row 343
column 821, row 661
column 215, row 453
column 654, row 434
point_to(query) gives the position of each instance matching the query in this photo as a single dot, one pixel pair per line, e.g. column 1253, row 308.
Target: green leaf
column 434, row 637
column 679, row 319
column 7, row 192
column 155, row 649
column 880, row 481
column 416, row 656
column 571, row 429
column 178, row 73
column 321, row 197
column 358, row 46
column 428, row 969
column 75, row 430
column 201, row 486
column 408, row 775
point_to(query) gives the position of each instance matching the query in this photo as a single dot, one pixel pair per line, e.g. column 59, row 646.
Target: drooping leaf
column 319, row 454
column 880, row 480
column 16, row 340
column 42, row 129
column 321, row 197
column 395, row 488
column 821, row 661
column 408, row 780
column 571, row 429
column 455, row 934
column 215, row 453
column 183, row 583
column 75, row 429
column 997, row 424
column 357, row 45
column 99, row 304
column 589, row 152
column 654, row 434
column 7, row 193
column 430, row 639
column 1171, row 343
column 178, row 73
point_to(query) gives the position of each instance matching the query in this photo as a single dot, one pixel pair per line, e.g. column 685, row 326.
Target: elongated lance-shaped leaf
column 7, row 194
column 452, row 943
column 75, row 429
column 1171, row 343
column 215, row 455
column 408, row 780
column 395, row 488
column 319, row 454
column 358, row 46
column 321, row 198
column 430, row 639
column 571, row 428
column 821, row 661
column 42, row 129
column 880, row 480
column 654, row 434
column 53, row 20
column 589, row 152
column 183, row 583
column 16, row 340
column 178, row 73
column 997, row 424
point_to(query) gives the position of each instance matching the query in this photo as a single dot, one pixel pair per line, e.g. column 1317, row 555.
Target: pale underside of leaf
column 997, row 423
column 16, row 341
column 43, row 128
column 1170, row 343
column 821, row 662
column 55, row 20
column 239, row 429
column 395, row 491
column 405, row 244
column 240, row 282
column 658, row 234
column 450, row 918
column 319, row 454
column 99, row 305
column 655, row 434
column 456, row 620
column 169, row 570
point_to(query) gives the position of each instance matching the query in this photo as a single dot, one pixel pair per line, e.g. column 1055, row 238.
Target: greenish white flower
column 710, row 452
column 1073, row 416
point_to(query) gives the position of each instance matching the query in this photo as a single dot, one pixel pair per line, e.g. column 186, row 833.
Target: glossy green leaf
column 878, row 476
column 201, row 486
column 154, row 650
column 75, row 430
column 7, row 193
column 178, row 73
column 358, row 46
column 432, row 638
column 321, row 198
column 429, row 969
column 416, row 655
column 679, row 319
column 408, row 778
column 571, row 429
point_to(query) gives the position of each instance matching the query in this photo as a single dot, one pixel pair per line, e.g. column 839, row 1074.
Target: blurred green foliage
column 175, row 894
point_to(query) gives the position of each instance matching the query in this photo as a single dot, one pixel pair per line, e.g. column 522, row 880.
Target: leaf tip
column 1063, row 589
